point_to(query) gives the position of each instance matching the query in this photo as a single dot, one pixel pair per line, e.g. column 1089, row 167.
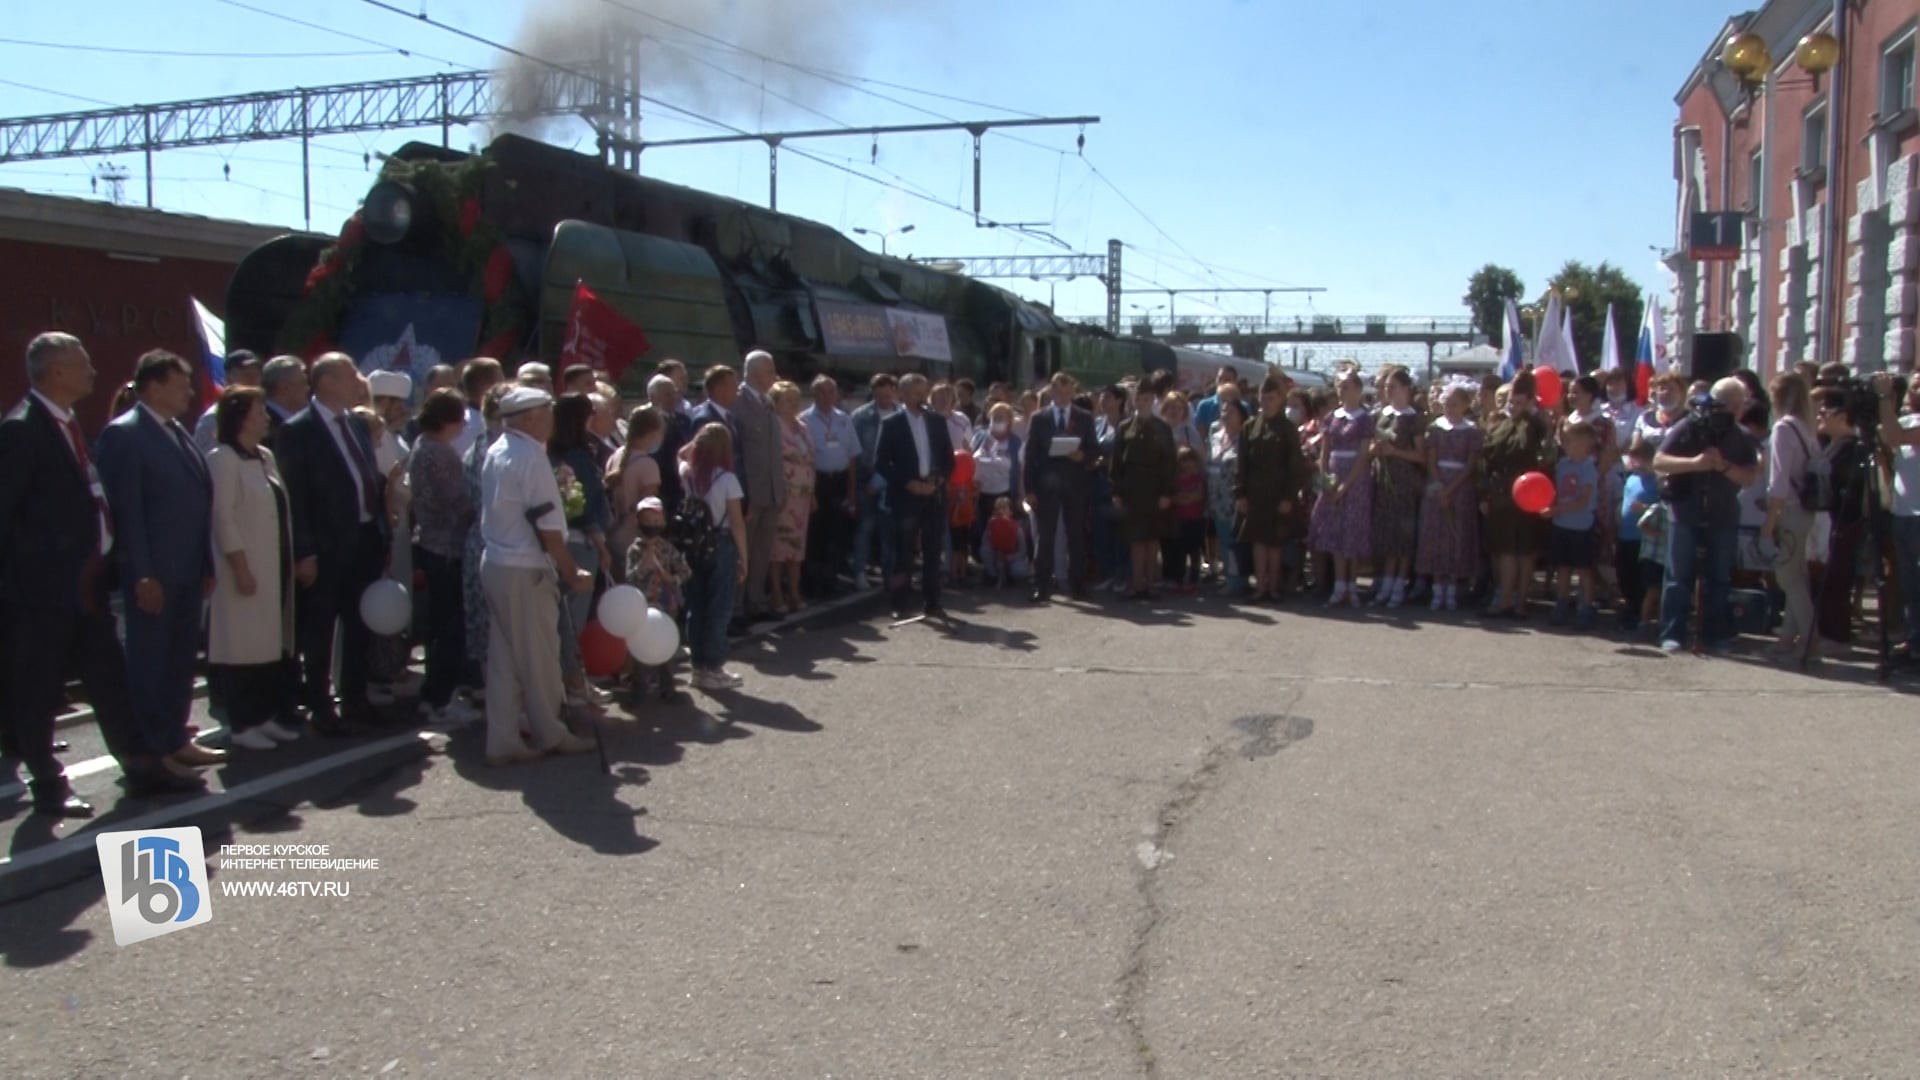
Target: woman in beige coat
column 250, row 637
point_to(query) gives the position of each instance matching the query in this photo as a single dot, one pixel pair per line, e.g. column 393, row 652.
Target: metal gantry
column 1105, row 269
column 977, row 128
column 445, row 101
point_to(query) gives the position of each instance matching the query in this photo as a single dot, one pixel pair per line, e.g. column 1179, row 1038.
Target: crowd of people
column 513, row 503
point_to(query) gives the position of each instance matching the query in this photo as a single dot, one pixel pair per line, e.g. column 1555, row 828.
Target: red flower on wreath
column 499, row 274
column 469, row 216
column 321, row 273
column 354, row 233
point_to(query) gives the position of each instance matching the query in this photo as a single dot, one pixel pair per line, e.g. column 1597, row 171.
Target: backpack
column 692, row 531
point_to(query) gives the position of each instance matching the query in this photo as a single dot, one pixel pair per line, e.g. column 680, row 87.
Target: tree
column 1487, row 294
column 1585, row 293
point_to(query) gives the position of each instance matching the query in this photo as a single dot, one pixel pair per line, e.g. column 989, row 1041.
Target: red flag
column 601, row 337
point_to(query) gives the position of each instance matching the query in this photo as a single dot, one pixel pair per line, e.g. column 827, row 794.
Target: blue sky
column 1381, row 150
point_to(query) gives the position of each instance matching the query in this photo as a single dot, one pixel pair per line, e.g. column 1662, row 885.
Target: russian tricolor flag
column 1650, row 353
column 213, row 358
column 1516, row 338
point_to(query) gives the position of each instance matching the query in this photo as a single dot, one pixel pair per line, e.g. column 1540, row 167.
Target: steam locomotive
column 454, row 255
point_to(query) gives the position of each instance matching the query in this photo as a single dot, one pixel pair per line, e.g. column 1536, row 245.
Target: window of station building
column 1896, row 76
column 1813, row 140
column 1756, row 180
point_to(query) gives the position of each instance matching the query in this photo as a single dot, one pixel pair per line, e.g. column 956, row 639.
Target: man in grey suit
column 763, row 471
column 161, row 495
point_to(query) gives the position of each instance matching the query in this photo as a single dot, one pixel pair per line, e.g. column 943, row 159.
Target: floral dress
column 1450, row 525
column 1344, row 526
column 790, row 530
column 1397, row 487
column 476, row 597
column 1223, row 464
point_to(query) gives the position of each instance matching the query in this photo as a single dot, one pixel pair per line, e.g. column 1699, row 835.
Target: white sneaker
column 278, row 731
column 717, row 679
column 1439, row 600
column 380, row 696
column 252, row 739
column 1339, row 594
column 455, row 714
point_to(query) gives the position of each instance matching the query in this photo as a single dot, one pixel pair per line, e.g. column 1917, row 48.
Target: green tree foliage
column 1487, row 294
column 1585, row 292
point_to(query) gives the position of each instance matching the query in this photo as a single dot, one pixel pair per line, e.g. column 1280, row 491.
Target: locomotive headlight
column 388, row 212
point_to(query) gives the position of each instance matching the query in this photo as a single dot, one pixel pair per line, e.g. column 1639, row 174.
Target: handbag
column 1816, row 481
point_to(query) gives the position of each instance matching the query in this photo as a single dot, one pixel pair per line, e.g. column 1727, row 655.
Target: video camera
column 1710, row 418
column 1862, row 405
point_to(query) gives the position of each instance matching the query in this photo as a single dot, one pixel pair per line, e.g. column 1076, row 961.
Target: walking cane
column 573, row 625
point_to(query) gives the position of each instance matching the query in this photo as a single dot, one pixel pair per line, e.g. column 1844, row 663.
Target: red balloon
column 1546, row 387
column 962, row 468
column 1533, row 492
column 601, row 653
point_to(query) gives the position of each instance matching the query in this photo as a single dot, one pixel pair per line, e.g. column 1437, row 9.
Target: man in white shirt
column 1902, row 434
column 835, row 487
column 523, row 525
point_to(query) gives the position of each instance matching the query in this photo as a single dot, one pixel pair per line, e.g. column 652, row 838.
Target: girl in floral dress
column 1396, row 496
column 1342, row 524
column 1223, row 462
column 790, row 530
column 1450, row 515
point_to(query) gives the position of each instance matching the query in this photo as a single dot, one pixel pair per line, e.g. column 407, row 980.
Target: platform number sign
column 1716, row 236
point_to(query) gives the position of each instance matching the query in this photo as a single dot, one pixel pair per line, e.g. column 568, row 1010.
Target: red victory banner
column 601, row 337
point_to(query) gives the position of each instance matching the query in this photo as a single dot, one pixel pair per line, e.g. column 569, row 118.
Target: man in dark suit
column 284, row 381
column 55, row 536
column 723, row 393
column 914, row 459
column 1057, row 487
column 664, row 394
column 162, row 498
column 340, row 537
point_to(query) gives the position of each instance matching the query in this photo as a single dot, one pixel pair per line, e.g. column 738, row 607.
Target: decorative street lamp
column 884, row 234
column 1747, row 57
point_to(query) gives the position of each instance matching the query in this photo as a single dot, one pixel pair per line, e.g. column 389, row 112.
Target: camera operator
column 1901, row 435
column 1704, row 462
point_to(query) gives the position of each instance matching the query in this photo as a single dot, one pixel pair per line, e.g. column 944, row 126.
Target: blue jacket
column 161, row 495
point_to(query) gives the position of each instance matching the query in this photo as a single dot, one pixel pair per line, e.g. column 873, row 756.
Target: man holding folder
column 1058, row 475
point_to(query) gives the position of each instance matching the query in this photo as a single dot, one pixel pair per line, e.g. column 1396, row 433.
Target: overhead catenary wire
column 69, row 46
column 387, row 46
column 565, row 70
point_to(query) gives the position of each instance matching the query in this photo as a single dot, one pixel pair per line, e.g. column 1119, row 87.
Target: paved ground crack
column 1268, row 734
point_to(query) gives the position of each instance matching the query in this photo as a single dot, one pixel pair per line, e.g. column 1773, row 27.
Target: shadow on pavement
column 37, row 930
column 570, row 794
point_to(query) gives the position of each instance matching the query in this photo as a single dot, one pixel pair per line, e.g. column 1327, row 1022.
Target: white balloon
column 657, row 640
column 386, row 607
column 623, row 611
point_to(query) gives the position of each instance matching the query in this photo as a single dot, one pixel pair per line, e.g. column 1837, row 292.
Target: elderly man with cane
column 524, row 529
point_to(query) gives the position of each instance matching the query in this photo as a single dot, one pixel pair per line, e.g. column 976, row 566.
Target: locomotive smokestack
column 721, row 75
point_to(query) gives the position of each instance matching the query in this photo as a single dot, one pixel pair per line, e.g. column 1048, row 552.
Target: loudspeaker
column 1715, row 356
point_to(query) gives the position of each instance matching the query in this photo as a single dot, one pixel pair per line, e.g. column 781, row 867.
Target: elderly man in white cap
column 523, row 524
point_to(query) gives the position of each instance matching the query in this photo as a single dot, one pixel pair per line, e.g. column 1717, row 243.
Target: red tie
column 93, row 485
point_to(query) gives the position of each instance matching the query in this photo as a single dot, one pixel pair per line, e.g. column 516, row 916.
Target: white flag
column 1550, row 343
column 1566, row 336
column 1609, row 345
